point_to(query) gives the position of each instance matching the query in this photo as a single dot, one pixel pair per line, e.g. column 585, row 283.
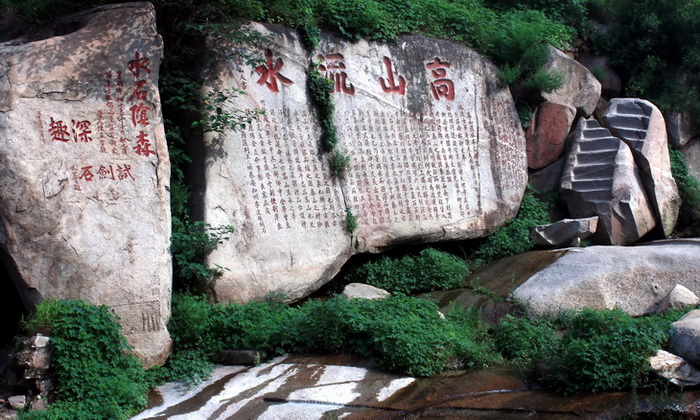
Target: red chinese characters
column 334, row 69
column 139, row 110
column 442, row 87
column 81, row 131
column 59, row 131
column 102, row 172
column 269, row 73
column 389, row 85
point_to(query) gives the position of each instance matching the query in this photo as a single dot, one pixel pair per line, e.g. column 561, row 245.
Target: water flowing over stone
column 437, row 153
column 84, row 169
column 601, row 179
column 635, row 279
column 641, row 125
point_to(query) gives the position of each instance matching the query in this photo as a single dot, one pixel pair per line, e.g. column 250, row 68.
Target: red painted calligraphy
column 143, row 145
column 139, row 114
column 269, row 73
column 391, row 86
column 105, row 172
column 124, row 172
column 139, row 93
column 87, row 173
column 334, row 69
column 58, row 131
column 441, row 87
column 139, row 63
column 81, row 131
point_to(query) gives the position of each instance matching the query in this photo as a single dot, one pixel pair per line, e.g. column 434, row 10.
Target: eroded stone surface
column 601, row 179
column 635, row 279
column 567, row 232
column 581, row 89
column 436, row 147
column 84, row 212
column 548, row 129
column 641, row 125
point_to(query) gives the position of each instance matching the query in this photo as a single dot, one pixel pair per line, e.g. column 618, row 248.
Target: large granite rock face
column 601, row 179
column 641, row 125
column 636, row 279
column 84, row 169
column 545, row 137
column 581, row 89
column 436, row 146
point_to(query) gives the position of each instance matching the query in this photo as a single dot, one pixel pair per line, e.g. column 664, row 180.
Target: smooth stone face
column 601, row 179
column 436, row 148
column 635, row 279
column 364, row 291
column 567, row 232
column 85, row 170
column 679, row 297
column 681, row 128
column 685, row 340
column 581, row 89
column 641, row 125
column 547, row 132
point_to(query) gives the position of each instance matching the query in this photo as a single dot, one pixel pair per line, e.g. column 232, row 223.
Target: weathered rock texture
column 681, row 128
column 685, row 340
column 674, row 368
column 679, row 297
column 635, row 279
column 436, row 146
column 581, row 89
column 364, row 291
column 641, row 125
column 601, row 179
column 691, row 153
column 567, row 232
column 547, row 132
column 84, row 169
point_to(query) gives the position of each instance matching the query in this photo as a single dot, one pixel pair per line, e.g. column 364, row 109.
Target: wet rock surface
column 306, row 387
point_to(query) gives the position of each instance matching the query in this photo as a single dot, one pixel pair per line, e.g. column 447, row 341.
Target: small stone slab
column 85, row 169
column 437, row 153
column 364, row 291
column 601, row 179
column 567, row 232
column 679, row 297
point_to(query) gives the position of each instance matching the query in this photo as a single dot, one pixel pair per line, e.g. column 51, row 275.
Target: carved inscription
column 142, row 317
column 287, row 180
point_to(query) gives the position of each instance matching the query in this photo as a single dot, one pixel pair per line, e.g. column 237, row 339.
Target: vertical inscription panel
column 435, row 142
column 271, row 181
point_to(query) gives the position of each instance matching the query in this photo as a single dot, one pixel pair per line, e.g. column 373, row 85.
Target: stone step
column 637, row 122
column 594, row 157
column 606, row 144
column 632, row 134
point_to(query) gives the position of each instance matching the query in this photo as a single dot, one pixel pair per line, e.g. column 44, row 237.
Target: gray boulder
column 581, row 89
column 635, row 279
column 85, row 207
column 567, row 232
column 679, row 297
column 685, row 339
column 364, row 291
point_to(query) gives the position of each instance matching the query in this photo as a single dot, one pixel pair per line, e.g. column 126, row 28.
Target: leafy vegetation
column 689, row 190
column 95, row 376
column 430, row 270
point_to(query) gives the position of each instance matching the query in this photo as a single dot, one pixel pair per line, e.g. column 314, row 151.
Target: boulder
column 581, row 89
column 635, row 279
column 548, row 129
column 567, row 232
column 685, row 339
column 437, row 153
column 691, row 153
column 548, row 178
column 674, row 368
column 601, row 179
column 679, row 297
column 85, row 172
column 641, row 125
column 681, row 128
column 364, row 291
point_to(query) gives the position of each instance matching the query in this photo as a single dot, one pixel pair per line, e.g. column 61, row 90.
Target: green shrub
column 604, row 350
column 429, row 270
column 525, row 340
column 95, row 375
column 689, row 190
column 514, row 237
